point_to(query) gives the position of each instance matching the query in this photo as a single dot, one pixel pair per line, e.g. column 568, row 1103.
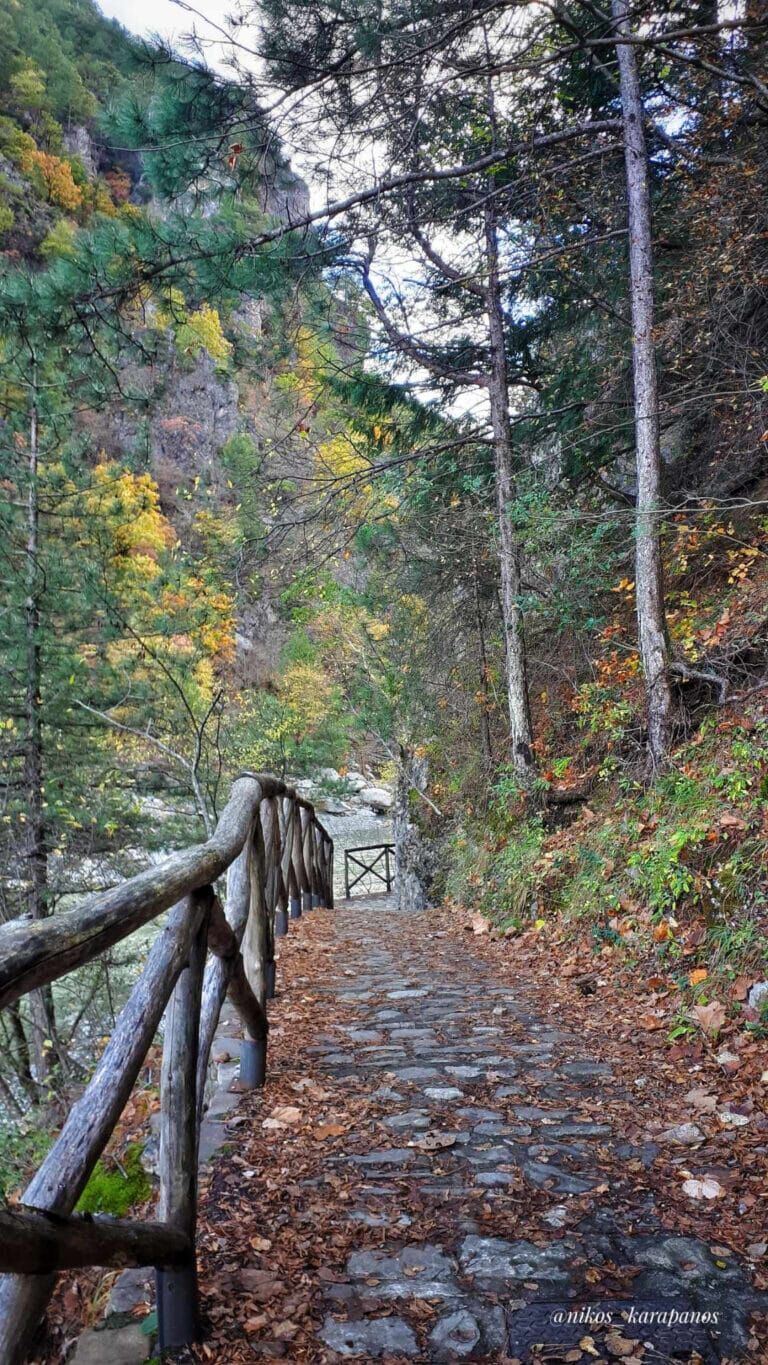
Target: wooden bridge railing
column 278, row 860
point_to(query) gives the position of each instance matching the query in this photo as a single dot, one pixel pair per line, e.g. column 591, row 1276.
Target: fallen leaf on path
column 285, row 1331
column 284, row 1116
column 699, row 1098
column 700, row 974
column 309, row 1087
column 433, row 1142
column 617, row 1345
column 329, row 1130
column 683, row 1134
column 703, row 1189
column 710, row 1018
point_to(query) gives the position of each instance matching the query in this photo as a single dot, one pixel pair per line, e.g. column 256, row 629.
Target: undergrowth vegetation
column 670, row 876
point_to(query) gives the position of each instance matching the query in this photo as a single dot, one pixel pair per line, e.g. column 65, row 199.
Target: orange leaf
column 700, row 974
column 740, row 987
column 328, row 1130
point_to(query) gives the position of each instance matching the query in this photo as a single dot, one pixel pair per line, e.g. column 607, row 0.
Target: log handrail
column 276, row 855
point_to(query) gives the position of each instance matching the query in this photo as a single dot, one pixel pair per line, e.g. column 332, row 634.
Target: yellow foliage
column 340, row 455
column 57, row 177
column 27, row 87
column 202, row 331
column 342, row 458
column 312, row 357
column 172, row 308
column 307, row 692
column 130, row 505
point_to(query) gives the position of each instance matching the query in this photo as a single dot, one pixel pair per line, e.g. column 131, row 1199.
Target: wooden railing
column 368, row 866
column 278, row 861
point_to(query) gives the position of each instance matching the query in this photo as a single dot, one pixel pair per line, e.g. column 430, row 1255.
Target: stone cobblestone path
column 486, row 1192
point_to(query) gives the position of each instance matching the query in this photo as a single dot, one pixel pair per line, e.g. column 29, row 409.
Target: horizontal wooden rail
column 38, row 1243
column 276, row 856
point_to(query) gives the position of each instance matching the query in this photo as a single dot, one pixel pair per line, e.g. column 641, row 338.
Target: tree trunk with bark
column 35, row 834
column 485, row 724
column 649, row 590
column 414, row 859
column 520, row 728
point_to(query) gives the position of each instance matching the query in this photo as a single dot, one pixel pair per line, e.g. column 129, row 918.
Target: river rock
column 355, row 781
column 378, row 798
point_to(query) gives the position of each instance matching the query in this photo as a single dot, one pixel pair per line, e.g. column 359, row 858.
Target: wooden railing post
column 329, row 874
column 178, row 1318
column 307, row 858
column 268, row 817
column 297, row 863
column 256, row 938
column 63, row 1175
column 289, row 808
column 318, row 899
column 270, row 866
column 281, row 894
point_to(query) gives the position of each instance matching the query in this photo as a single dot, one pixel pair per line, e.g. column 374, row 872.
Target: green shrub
column 22, row 1149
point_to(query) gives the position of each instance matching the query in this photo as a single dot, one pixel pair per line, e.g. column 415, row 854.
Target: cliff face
column 212, row 404
column 175, row 416
column 192, row 412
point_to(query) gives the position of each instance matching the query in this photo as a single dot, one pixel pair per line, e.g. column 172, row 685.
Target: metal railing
column 278, row 860
column 370, row 867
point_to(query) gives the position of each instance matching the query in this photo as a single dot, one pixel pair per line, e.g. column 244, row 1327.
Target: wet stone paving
column 491, row 1118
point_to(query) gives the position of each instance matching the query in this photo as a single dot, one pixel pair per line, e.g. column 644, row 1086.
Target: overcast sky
column 173, row 22
column 163, row 16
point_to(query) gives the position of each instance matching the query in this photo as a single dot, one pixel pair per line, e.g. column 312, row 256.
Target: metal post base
column 295, row 907
column 253, row 1063
column 306, row 900
column 317, row 900
column 178, row 1320
column 270, row 972
column 281, row 923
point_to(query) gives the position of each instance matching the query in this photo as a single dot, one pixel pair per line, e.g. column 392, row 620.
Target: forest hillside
column 384, row 405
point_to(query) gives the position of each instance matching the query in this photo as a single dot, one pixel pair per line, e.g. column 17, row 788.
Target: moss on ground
column 115, row 1186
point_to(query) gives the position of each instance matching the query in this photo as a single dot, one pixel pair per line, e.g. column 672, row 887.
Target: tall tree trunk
column 485, row 725
column 651, row 618
column 35, row 844
column 520, row 729
column 414, row 857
